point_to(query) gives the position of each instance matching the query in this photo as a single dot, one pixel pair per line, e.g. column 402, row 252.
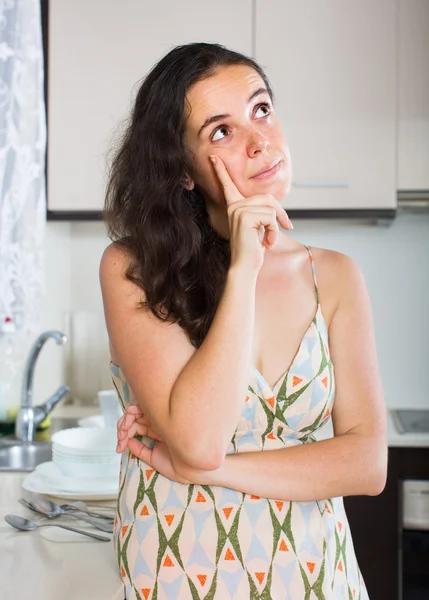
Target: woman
column 228, row 494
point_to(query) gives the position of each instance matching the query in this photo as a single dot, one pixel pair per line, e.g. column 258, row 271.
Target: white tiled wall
column 394, row 259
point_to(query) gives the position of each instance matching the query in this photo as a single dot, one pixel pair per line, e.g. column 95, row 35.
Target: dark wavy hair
column 178, row 260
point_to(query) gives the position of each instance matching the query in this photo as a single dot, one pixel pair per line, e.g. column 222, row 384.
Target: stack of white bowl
column 86, row 452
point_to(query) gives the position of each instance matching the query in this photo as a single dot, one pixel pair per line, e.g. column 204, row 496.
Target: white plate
column 51, row 473
column 34, row 482
column 92, row 421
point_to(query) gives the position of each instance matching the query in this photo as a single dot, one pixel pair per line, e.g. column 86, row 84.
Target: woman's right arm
column 193, row 397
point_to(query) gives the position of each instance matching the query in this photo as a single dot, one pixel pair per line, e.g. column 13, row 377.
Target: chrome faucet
column 29, row 416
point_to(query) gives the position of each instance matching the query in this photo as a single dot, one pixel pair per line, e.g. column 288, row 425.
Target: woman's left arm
column 354, row 461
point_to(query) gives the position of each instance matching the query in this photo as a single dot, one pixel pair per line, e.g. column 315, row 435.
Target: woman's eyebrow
column 215, row 118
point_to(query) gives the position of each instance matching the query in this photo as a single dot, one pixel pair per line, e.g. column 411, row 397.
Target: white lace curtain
column 22, row 163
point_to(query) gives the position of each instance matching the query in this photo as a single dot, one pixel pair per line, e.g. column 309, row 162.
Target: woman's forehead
column 223, row 91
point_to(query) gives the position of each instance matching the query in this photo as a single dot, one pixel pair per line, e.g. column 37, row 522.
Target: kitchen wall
column 394, row 260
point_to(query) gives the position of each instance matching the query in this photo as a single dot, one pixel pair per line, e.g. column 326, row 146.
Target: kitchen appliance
column 414, row 550
column 411, row 421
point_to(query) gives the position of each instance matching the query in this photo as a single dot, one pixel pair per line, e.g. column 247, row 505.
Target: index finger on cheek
column 230, row 190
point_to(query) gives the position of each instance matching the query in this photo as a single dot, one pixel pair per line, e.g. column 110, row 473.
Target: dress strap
column 313, row 270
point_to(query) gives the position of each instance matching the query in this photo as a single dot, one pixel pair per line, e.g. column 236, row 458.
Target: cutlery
column 27, row 525
column 27, row 504
column 57, row 512
column 87, row 507
column 82, row 507
column 52, row 506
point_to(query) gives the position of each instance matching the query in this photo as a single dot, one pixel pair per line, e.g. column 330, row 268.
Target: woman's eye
column 219, row 133
column 266, row 110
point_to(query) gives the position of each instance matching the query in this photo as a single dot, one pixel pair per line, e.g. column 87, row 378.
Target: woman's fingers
column 133, row 423
column 122, row 434
column 266, row 219
column 140, row 450
column 229, row 188
column 232, row 194
column 125, row 436
column 129, row 420
column 270, row 202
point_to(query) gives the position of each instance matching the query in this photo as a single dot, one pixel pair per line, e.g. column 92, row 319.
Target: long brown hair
column 176, row 257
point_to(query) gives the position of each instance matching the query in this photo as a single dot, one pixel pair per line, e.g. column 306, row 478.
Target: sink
column 19, row 456
column 16, row 455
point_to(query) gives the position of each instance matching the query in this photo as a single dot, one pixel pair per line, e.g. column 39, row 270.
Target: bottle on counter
column 11, row 371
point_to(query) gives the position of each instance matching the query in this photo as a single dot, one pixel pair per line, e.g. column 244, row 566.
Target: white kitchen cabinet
column 413, row 95
column 333, row 68
column 98, row 53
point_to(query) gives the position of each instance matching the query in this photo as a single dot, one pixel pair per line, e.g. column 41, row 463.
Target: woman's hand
column 135, row 422
column 252, row 221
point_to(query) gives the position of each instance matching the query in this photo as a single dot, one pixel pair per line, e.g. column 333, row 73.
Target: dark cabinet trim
column 382, row 214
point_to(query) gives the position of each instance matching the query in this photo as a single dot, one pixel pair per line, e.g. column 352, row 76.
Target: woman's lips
column 269, row 173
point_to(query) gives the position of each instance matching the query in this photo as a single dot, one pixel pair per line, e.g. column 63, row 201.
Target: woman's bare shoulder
column 115, row 259
column 338, row 276
column 114, row 267
column 332, row 261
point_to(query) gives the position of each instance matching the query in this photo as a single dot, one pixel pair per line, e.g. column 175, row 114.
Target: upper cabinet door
column 413, row 95
column 98, row 53
column 332, row 66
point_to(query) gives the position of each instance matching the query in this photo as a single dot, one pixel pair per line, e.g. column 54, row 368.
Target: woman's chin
column 278, row 189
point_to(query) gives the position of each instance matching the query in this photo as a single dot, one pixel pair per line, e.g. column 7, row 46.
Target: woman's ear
column 189, row 183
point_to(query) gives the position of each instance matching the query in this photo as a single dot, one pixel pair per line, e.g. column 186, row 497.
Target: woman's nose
column 257, row 143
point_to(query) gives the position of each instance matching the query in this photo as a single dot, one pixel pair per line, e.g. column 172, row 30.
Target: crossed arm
column 353, row 462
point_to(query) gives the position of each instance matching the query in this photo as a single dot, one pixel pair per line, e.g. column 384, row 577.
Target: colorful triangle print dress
column 191, row 542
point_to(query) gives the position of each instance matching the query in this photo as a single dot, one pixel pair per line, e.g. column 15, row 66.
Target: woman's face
column 231, row 116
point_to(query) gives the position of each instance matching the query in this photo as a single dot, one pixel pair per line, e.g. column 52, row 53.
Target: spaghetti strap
column 313, row 270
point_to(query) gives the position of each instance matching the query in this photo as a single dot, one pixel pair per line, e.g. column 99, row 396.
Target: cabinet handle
column 320, row 184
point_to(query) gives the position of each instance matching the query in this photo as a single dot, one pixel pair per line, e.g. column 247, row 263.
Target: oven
column 414, row 546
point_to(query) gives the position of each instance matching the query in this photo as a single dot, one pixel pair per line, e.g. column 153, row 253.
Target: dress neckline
column 252, row 366
column 283, row 375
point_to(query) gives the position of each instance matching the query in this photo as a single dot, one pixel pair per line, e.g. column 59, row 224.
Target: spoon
column 55, row 511
column 46, row 505
column 27, row 525
column 82, row 507
column 82, row 504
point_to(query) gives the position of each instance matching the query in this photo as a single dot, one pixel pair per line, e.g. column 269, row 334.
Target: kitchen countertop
column 405, row 440
column 52, row 563
column 394, row 438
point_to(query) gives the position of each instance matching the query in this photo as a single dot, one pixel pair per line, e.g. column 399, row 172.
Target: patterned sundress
column 189, row 542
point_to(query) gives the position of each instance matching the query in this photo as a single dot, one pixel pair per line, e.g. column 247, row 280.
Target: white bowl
column 83, row 459
column 94, row 470
column 76, row 455
column 86, row 441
